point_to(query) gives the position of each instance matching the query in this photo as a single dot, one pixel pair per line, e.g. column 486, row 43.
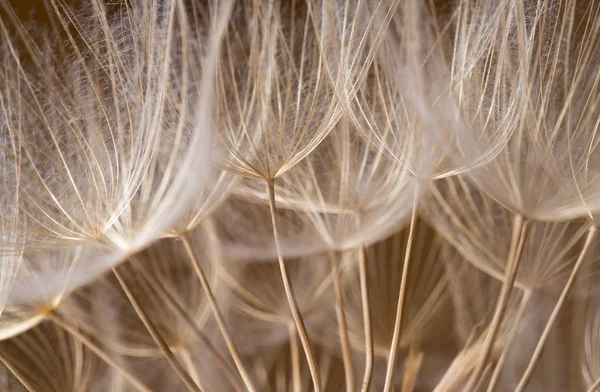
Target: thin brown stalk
column 342, row 323
column 486, row 371
column 412, row 367
column 218, row 316
column 186, row 357
column 16, row 373
column 295, row 357
column 580, row 313
column 366, row 310
column 514, row 257
column 156, row 335
column 166, row 295
column 557, row 308
column 391, row 366
column 496, row 375
column 594, row 386
column 287, row 284
column 133, row 380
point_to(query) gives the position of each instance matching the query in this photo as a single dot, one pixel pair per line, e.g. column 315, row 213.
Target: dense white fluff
column 11, row 218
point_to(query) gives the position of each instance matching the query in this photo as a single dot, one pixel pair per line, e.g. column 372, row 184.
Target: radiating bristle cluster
column 300, row 195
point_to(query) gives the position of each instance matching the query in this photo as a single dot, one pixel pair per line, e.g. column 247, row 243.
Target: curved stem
column 99, row 352
column 366, row 310
column 342, row 324
column 514, row 257
column 391, row 366
column 557, row 308
column 155, row 333
column 218, row 316
column 287, row 284
column 496, row 375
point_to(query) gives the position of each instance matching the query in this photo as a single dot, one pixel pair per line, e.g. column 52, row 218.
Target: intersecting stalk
column 186, row 357
column 412, row 367
column 16, row 373
column 557, row 308
column 366, row 310
column 99, row 352
column 594, row 386
column 295, row 356
column 342, row 323
column 513, row 333
column 287, row 284
column 218, row 316
column 173, row 302
column 514, row 257
column 156, row 335
column 391, row 365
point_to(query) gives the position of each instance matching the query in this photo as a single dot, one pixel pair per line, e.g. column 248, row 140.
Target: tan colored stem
column 391, row 366
column 412, row 367
column 295, row 357
column 287, row 284
column 555, row 312
column 156, row 336
column 594, row 386
column 16, row 373
column 99, row 352
column 186, row 357
column 366, row 310
column 218, row 316
column 173, row 302
column 496, row 375
column 514, row 257
column 342, row 323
